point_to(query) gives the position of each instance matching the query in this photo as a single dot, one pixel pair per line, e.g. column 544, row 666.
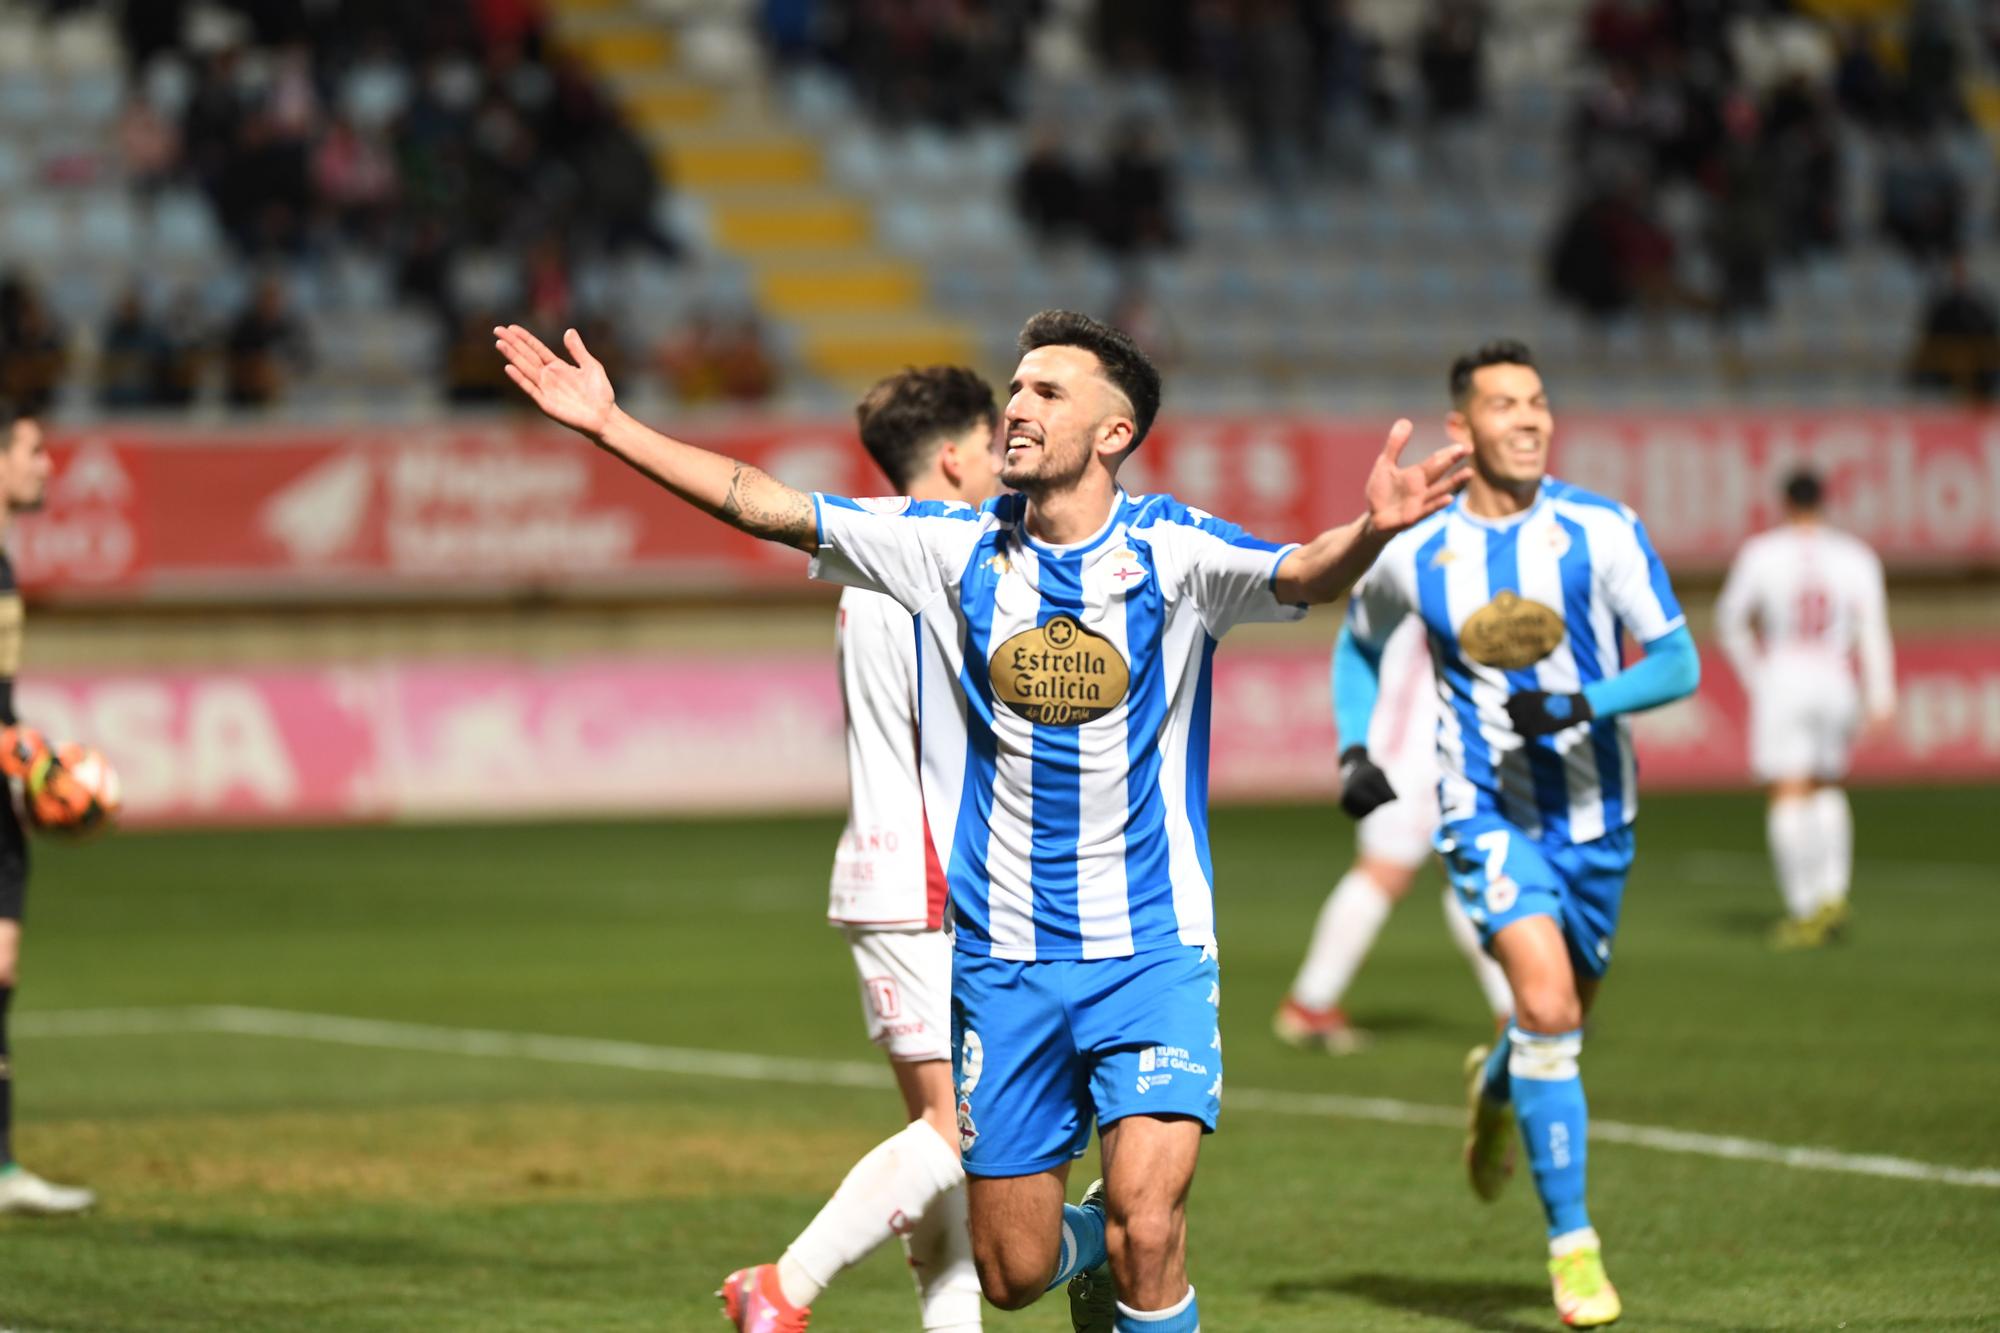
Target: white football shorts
column 1802, row 725
column 905, row 980
column 1401, row 831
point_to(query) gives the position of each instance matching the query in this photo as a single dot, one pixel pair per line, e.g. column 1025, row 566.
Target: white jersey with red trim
column 1402, row 732
column 884, row 875
column 1805, row 602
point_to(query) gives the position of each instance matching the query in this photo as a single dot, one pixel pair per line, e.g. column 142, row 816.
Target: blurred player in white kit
column 1803, row 604
column 932, row 431
column 1393, row 844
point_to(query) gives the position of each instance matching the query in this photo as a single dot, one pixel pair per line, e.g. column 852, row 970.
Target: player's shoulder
column 902, row 506
column 1578, row 502
column 1146, row 514
column 1852, row 546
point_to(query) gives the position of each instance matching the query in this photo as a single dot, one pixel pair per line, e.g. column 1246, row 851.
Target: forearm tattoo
column 765, row 507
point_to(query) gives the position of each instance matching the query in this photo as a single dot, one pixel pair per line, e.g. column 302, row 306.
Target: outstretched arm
column 1670, row 670
column 580, row 396
column 1325, row 568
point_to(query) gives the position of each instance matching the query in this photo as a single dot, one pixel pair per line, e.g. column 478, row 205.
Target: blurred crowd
column 416, row 130
column 1711, row 149
column 417, row 135
column 1712, row 143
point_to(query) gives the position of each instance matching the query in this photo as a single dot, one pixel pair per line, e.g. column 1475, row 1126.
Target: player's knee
column 1547, row 1007
column 1006, row 1277
column 1143, row 1238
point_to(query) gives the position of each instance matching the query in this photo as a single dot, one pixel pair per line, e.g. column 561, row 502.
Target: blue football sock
column 1082, row 1243
column 1498, row 1087
column 1548, row 1099
column 1181, row 1318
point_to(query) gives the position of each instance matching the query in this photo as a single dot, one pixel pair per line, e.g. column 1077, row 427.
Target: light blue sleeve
column 1670, row 670
column 1357, row 681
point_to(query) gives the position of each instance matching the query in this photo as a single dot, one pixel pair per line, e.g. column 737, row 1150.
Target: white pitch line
column 380, row 1034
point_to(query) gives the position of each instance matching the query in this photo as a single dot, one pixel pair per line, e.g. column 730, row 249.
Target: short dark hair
column 1119, row 357
column 906, row 417
column 1804, row 490
column 1499, row 352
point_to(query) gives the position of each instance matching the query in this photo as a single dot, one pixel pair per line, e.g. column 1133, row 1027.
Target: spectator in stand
column 1352, row 91
column 713, row 359
column 1861, row 82
column 1612, row 254
column 1050, row 193
column 1931, row 67
column 1958, row 343
column 1451, row 61
column 33, row 352
column 266, row 344
column 1267, row 81
column 130, row 349
column 185, row 346
column 1133, row 207
column 1922, row 201
column 473, row 376
column 1742, row 230
column 354, row 177
column 149, row 148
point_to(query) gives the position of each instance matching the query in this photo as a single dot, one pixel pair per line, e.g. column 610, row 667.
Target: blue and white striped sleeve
column 896, row 546
column 1635, row 584
column 1232, row 576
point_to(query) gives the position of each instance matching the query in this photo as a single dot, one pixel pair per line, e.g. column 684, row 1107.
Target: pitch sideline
column 381, row 1034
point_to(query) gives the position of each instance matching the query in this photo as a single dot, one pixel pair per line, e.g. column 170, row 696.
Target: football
column 76, row 795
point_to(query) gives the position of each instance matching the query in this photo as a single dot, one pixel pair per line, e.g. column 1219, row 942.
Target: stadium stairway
column 750, row 182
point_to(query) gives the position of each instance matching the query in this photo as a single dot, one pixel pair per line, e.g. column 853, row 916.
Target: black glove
column 1363, row 786
column 1539, row 713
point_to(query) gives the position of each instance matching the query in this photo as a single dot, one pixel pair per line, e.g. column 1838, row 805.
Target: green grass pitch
column 264, row 1182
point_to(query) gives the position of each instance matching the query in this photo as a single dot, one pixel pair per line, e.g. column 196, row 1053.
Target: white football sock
column 940, row 1251
column 885, row 1194
column 1789, row 824
column 1343, row 935
column 1833, row 821
column 1491, row 977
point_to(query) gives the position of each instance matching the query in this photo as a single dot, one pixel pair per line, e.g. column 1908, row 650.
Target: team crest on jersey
column 1511, row 633
column 997, row 564
column 889, row 506
column 1126, row 571
column 1059, row 674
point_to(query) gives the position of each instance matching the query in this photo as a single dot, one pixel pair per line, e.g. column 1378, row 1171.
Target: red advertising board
column 495, row 508
column 763, row 732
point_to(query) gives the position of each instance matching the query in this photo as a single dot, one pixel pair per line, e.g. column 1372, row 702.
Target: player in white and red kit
column 932, row 432
column 1393, row 843
column 1804, row 604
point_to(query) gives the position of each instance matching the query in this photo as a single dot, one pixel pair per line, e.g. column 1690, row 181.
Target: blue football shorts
column 1501, row 875
column 1041, row 1049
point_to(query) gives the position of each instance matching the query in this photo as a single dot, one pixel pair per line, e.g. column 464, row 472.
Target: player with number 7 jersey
column 1527, row 588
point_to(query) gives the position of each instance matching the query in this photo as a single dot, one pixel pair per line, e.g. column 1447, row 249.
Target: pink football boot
column 753, row 1302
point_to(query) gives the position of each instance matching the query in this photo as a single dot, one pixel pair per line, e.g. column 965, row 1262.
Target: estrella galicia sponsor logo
column 1059, row 674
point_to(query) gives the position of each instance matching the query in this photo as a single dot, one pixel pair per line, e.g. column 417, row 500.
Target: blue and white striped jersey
column 1063, row 699
column 1537, row 601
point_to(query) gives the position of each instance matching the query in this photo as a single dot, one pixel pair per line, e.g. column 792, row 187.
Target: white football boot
column 25, row 1193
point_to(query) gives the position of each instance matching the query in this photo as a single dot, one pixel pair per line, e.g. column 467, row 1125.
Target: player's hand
column 578, row 396
column 1539, row 713
column 1363, row 786
column 1399, row 496
column 22, row 751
